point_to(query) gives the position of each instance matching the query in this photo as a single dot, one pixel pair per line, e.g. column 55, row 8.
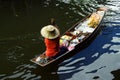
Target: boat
column 78, row 37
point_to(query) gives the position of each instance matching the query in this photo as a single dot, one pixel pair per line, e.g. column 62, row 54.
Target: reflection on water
column 20, row 39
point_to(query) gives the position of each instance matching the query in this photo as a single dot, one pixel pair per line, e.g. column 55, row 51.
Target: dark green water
column 20, row 40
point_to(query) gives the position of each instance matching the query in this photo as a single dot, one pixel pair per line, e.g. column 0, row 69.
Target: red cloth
column 52, row 47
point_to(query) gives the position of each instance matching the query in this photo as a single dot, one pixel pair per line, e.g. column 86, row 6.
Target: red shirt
column 52, row 46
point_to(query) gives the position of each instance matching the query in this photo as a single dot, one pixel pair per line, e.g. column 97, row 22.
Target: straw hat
column 50, row 32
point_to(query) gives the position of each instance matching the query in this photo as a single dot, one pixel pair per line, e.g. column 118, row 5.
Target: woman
column 52, row 37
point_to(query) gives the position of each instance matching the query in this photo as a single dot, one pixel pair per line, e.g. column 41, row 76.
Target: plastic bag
column 94, row 20
column 42, row 60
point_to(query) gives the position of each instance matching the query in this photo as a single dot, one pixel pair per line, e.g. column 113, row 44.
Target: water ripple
column 90, row 64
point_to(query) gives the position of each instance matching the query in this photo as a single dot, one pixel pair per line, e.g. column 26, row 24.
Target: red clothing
column 52, row 46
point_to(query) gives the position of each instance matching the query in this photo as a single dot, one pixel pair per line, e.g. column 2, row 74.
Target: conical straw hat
column 50, row 32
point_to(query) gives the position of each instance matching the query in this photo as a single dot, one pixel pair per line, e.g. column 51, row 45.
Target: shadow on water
column 26, row 14
column 116, row 74
column 101, row 45
column 47, row 73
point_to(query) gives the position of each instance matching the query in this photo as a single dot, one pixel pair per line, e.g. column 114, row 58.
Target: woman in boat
column 52, row 37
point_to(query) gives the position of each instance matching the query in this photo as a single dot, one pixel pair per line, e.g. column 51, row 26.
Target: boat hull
column 80, row 46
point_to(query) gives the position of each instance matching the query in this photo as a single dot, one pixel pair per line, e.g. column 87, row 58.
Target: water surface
column 20, row 39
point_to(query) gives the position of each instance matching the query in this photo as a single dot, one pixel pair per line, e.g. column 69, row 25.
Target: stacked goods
column 72, row 44
column 72, row 38
column 94, row 20
column 64, row 40
column 68, row 41
column 84, row 27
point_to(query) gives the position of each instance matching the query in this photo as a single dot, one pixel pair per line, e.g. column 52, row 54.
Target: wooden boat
column 78, row 37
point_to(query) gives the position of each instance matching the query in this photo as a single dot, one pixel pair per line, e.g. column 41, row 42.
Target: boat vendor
column 51, row 36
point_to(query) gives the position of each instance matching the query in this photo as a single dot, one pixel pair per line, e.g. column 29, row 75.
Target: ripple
column 14, row 53
column 94, row 63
